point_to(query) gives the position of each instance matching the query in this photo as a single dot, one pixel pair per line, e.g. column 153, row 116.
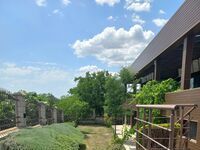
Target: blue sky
column 44, row 44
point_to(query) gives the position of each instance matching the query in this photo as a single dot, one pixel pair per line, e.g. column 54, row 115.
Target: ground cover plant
column 53, row 137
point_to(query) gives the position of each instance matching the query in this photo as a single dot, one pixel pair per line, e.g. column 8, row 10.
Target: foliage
column 108, row 120
column 73, row 108
column 91, row 89
column 57, row 136
column 7, row 107
column 47, row 98
column 114, row 96
column 154, row 93
column 126, row 76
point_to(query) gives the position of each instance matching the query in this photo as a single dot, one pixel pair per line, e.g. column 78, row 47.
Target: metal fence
column 7, row 110
column 157, row 137
column 16, row 111
column 49, row 115
column 32, row 113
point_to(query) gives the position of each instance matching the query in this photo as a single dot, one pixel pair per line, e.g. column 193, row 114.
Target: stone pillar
column 54, row 113
column 62, row 116
column 42, row 114
column 20, row 110
column 186, row 62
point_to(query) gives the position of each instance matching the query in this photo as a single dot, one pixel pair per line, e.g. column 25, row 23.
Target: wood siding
column 183, row 21
column 188, row 97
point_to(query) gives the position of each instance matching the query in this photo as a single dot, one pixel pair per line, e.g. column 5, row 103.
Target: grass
column 98, row 137
column 53, row 137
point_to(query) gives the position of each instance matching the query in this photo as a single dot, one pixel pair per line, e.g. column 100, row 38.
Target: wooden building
column 175, row 53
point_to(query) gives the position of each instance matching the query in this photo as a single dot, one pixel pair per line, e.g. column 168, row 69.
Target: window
column 193, row 129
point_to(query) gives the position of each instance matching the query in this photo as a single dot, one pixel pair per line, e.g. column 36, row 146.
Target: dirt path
column 97, row 137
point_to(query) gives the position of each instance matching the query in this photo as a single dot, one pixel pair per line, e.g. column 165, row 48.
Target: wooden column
column 186, row 62
column 137, row 127
column 156, row 71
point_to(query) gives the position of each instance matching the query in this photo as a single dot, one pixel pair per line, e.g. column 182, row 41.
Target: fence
column 15, row 110
column 174, row 135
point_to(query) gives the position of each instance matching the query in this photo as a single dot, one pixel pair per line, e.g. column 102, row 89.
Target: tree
column 114, row 97
column 127, row 77
column 73, row 108
column 91, row 89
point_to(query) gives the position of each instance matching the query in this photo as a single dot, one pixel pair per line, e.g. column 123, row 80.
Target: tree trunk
column 94, row 114
column 115, row 128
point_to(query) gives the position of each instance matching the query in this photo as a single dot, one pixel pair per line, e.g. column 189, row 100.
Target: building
column 175, row 53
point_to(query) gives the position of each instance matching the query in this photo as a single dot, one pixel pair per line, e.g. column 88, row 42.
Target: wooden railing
column 176, row 117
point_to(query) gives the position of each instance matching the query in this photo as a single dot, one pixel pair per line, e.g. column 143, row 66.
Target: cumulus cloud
column 138, row 5
column 160, row 22
column 108, row 2
column 66, row 2
column 41, row 3
column 137, row 19
column 88, row 68
column 37, row 78
column 162, row 11
column 115, row 47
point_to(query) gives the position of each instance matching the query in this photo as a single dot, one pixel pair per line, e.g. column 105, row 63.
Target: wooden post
column 181, row 129
column 171, row 133
column 186, row 62
column 144, row 118
column 149, row 129
column 137, row 127
column 156, row 71
column 131, row 119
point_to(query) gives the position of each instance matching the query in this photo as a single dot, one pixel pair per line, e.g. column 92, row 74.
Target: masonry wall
column 188, row 97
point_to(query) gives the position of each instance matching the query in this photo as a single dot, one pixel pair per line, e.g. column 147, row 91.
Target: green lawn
column 99, row 138
column 53, row 137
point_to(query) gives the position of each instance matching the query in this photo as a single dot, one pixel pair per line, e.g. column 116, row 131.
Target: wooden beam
column 186, row 62
column 156, row 71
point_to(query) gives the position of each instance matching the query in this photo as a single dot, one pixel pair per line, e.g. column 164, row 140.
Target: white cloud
column 113, row 46
column 57, row 12
column 66, row 2
column 160, row 22
column 112, row 18
column 41, row 3
column 37, row 78
column 138, row 5
column 108, row 2
column 89, row 68
column 162, row 11
column 137, row 19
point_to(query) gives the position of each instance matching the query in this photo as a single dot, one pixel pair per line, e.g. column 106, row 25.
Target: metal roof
column 184, row 20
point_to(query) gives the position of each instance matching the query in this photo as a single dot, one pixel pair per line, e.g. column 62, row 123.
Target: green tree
column 127, row 77
column 114, row 97
column 91, row 89
column 73, row 108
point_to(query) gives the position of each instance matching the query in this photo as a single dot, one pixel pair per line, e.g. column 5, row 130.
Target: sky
column 44, row 44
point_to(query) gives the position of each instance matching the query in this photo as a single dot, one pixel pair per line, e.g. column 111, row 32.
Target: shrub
column 108, row 120
column 154, row 93
column 53, row 137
